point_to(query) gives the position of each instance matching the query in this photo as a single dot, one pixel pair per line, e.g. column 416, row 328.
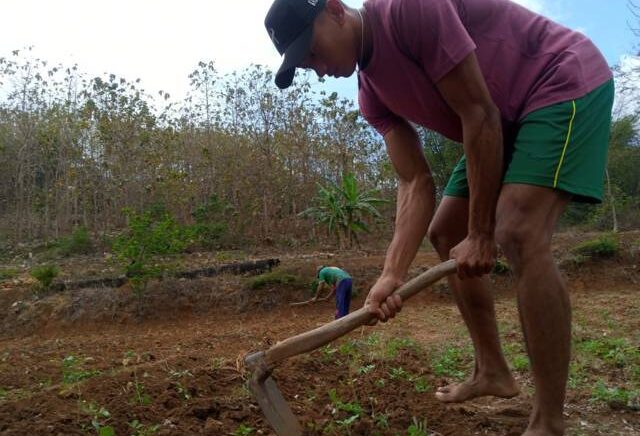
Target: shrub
column 79, row 242
column 272, row 278
column 45, row 274
column 150, row 233
column 209, row 229
column 605, row 246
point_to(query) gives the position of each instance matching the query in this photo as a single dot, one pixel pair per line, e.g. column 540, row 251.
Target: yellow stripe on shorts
column 566, row 143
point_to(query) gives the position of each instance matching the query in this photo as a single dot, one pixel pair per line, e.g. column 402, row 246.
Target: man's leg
column 342, row 305
column 491, row 375
column 526, row 218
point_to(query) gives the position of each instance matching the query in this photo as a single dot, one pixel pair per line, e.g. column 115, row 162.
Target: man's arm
column 332, row 291
column 465, row 90
column 415, row 205
column 321, row 285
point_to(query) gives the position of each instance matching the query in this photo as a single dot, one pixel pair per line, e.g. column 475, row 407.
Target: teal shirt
column 332, row 275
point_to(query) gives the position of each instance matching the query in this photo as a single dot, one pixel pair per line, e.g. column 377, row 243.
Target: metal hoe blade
column 273, row 405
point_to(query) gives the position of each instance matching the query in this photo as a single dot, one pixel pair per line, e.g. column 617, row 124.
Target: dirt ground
column 87, row 361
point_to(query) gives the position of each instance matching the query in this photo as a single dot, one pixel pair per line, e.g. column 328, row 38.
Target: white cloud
column 627, row 100
column 535, row 5
column 159, row 41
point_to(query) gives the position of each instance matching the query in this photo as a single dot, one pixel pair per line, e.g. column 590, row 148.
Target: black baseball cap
column 290, row 27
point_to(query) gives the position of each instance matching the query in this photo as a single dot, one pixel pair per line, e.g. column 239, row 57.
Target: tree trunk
column 614, row 216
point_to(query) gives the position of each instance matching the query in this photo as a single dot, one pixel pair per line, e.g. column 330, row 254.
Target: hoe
column 261, row 363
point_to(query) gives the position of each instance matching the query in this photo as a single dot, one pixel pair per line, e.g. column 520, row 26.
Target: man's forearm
column 483, row 149
column 415, row 206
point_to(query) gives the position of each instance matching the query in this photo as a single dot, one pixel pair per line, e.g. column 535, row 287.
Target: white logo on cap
column 272, row 34
column 312, row 2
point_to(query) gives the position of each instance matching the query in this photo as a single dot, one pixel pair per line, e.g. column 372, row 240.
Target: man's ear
column 335, row 9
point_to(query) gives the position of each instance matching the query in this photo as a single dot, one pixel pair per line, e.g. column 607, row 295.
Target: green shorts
column 562, row 146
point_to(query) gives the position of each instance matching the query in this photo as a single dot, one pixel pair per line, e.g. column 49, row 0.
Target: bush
column 208, row 229
column 272, row 278
column 45, row 274
column 78, row 243
column 606, row 246
column 151, row 233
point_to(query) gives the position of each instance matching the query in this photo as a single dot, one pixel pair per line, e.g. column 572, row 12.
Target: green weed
column 44, row 274
column 100, row 418
column 8, row 273
column 73, row 370
column 420, row 384
column 605, row 246
column 139, row 429
column 273, row 278
column 243, row 430
column 616, row 397
column 449, row 362
column 417, row 428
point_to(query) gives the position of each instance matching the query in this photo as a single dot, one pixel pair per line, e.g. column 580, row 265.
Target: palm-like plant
column 344, row 208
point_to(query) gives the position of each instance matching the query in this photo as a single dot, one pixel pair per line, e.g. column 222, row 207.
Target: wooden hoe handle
column 309, row 341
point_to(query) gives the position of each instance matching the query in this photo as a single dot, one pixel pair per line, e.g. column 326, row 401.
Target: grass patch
column 616, row 352
column 44, row 274
column 273, row 278
column 450, row 361
column 230, row 255
column 79, row 242
column 73, row 370
column 603, row 247
column 8, row 273
column 616, row 397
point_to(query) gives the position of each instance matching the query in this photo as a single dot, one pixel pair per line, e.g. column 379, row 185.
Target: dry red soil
column 173, row 360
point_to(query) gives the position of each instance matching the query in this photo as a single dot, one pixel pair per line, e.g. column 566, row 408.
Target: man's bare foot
column 503, row 387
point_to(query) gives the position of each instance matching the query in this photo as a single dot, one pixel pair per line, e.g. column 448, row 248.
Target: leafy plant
column 398, row 373
column 45, row 274
column 614, row 351
column 99, row 418
column 395, row 345
column 616, row 397
column 420, row 384
column 150, row 233
column 73, row 370
column 449, row 362
column 276, row 277
column 353, row 410
column 139, row 429
column 417, row 428
column 243, row 430
column 209, row 229
column 382, row 421
column 605, row 246
column 183, row 391
column 79, row 242
column 365, row 369
column 140, row 397
column 343, row 209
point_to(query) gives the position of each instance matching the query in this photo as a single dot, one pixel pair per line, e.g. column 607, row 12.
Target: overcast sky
column 162, row 41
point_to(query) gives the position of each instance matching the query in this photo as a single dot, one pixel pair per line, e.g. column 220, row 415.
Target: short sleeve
column 373, row 110
column 432, row 33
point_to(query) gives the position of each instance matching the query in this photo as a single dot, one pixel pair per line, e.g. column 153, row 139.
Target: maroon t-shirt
column 528, row 61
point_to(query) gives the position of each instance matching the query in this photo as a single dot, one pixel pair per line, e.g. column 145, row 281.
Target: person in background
column 340, row 283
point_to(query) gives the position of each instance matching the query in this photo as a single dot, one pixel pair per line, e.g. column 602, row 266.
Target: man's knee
column 520, row 238
column 441, row 239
